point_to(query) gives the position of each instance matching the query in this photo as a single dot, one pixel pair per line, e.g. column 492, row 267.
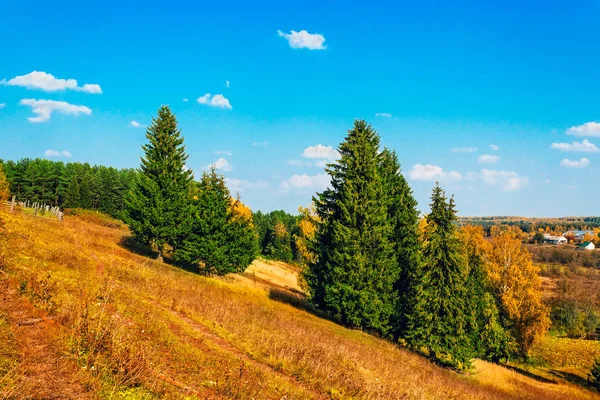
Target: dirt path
column 43, row 372
column 224, row 345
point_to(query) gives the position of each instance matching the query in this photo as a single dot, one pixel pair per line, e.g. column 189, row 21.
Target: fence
column 34, row 208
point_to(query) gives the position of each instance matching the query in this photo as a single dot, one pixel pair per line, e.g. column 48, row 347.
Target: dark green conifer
column 403, row 217
column 157, row 204
column 218, row 240
column 73, row 193
column 438, row 325
column 355, row 272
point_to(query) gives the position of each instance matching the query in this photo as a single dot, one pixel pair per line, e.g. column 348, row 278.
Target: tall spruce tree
column 403, row 217
column 157, row 203
column 438, row 324
column 219, row 239
column 73, row 193
column 356, row 270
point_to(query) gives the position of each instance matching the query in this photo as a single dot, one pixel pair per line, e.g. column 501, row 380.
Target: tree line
column 70, row 185
column 444, row 292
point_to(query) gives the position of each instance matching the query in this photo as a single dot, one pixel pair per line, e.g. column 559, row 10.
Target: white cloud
column 509, row 181
column 264, row 143
column 222, row 164
column 580, row 147
column 241, row 185
column 494, row 147
column 48, row 83
column 218, row 100
column 305, row 183
column 582, row 163
column 320, row 151
column 304, row 40
column 587, row 129
column 430, row 172
column 222, row 152
column 298, row 163
column 55, row 153
column 464, row 149
column 45, row 108
column 2, row 105
column 135, row 124
column 386, row 115
column 227, row 83
column 185, row 99
column 487, row 159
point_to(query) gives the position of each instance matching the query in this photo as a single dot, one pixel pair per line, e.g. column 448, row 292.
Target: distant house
column 578, row 236
column 586, row 246
column 556, row 240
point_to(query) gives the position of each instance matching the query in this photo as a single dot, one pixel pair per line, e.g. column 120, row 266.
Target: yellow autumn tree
column 4, row 186
column 240, row 210
column 307, row 227
column 515, row 281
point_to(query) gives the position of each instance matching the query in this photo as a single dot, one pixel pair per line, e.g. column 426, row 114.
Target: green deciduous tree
column 438, row 326
column 158, row 202
column 355, row 272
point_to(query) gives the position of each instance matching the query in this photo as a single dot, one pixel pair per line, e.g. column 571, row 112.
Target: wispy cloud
column 136, row 124
column 581, row 163
column 218, row 101
column 580, row 147
column 227, row 83
column 264, row 143
column 305, row 183
column 241, row 185
column 45, row 108
column 385, row 115
column 430, row 172
column 47, row 82
column 185, row 100
column 304, row 40
column 494, row 147
column 591, row 129
column 2, row 105
column 221, row 164
column 508, row 181
column 464, row 149
column 487, row 159
column 56, row 153
column 222, row 152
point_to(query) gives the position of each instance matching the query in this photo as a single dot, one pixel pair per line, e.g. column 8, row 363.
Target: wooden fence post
column 12, row 204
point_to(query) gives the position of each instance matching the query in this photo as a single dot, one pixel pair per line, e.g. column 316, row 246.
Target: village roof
column 585, row 244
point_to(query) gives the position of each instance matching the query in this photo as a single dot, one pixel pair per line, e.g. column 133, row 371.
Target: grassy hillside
column 84, row 316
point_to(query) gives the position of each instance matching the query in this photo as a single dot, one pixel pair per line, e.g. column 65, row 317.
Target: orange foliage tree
column 4, row 187
column 515, row 281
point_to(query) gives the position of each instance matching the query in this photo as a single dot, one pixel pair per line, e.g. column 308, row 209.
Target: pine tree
column 355, row 272
column 594, row 377
column 4, row 185
column 158, row 202
column 403, row 217
column 73, row 193
column 220, row 238
column 85, row 194
column 438, row 324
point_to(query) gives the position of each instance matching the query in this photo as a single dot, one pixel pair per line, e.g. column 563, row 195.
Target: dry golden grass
column 137, row 328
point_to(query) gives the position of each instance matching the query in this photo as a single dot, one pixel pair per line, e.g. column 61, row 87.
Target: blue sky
column 440, row 83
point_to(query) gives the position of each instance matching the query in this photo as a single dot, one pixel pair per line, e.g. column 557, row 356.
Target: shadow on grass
column 129, row 243
column 529, row 374
column 572, row 378
column 298, row 300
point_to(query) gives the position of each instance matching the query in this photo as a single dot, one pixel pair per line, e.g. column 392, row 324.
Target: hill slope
column 118, row 324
